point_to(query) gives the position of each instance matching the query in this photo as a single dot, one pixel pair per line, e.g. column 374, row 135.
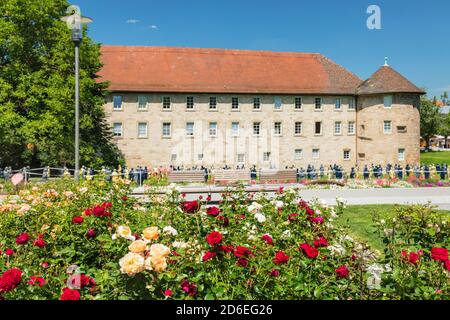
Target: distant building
column 184, row 106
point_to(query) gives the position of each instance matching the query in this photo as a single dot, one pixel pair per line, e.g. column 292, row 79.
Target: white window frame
column 190, row 129
column 389, row 131
column 257, row 125
column 347, row 155
column 338, row 124
column 266, row 156
column 401, row 155
column 233, row 99
column 351, row 104
column 257, row 102
column 121, row 103
column 277, row 104
column 188, row 103
column 166, row 125
column 317, row 153
column 318, row 101
column 211, row 103
column 145, row 106
column 298, row 154
column 300, row 104
column 338, row 104
column 166, row 100
column 120, row 135
column 240, row 155
column 213, row 129
column 146, row 130
column 295, row 128
column 235, row 133
column 280, row 127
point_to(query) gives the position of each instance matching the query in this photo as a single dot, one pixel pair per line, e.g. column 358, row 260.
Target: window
column 190, row 129
column 277, row 128
column 315, row 153
column 362, row 156
column 235, row 129
column 387, row 127
column 142, row 130
column 166, row 103
column 346, row 154
column 256, row 104
column 337, row 127
column 256, row 128
column 167, row 129
column 190, row 103
column 142, row 102
column 117, row 129
column 401, row 129
column 298, row 128
column 277, row 103
column 117, row 102
column 298, row 155
column 213, row 129
column 387, row 100
column 298, row 103
column 234, row 103
column 401, row 154
column 200, row 156
column 337, row 104
column 318, row 128
column 173, row 157
column 351, row 127
column 240, row 157
column 351, row 104
column 266, row 156
column 318, row 103
column 212, row 103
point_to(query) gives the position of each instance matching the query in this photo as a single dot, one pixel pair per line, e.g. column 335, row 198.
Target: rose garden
column 94, row 241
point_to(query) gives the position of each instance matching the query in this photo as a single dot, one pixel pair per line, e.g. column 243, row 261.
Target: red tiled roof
column 387, row 80
column 168, row 69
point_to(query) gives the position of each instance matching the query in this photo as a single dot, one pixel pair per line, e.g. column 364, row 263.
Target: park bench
column 231, row 176
column 275, row 176
column 187, row 176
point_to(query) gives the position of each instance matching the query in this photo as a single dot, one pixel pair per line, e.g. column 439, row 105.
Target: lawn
column 359, row 220
column 435, row 157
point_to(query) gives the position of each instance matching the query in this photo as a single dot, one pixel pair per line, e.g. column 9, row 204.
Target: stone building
column 184, row 106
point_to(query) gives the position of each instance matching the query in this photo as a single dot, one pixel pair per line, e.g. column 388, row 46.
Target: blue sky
column 415, row 34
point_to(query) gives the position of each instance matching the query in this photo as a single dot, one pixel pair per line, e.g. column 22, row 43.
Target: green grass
column 361, row 227
column 435, row 157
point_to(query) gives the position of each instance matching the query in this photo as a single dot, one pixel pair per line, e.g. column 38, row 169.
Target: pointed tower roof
column 387, row 80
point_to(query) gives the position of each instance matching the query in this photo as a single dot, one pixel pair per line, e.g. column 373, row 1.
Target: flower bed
column 93, row 241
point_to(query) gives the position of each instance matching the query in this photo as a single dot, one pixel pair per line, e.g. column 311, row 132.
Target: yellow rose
column 151, row 233
column 159, row 264
column 124, row 232
column 138, row 246
column 132, row 263
column 159, row 250
column 148, row 264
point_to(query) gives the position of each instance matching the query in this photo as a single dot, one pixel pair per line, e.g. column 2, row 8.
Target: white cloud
column 133, row 21
column 154, row 27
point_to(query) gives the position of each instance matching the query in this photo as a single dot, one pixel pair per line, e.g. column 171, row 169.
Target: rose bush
column 94, row 241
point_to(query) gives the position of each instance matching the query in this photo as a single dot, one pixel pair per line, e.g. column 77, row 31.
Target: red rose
column 190, row 206
column 77, row 220
column 280, row 258
column 318, row 220
column 45, row 265
column 447, row 265
column 124, row 198
column 439, row 254
column 88, row 211
column 90, row 234
column 22, row 238
column 310, row 211
column 106, row 205
column 69, row 294
column 39, row 243
column 242, row 262
column 342, row 272
column 320, row 242
column 240, row 252
column 412, row 258
column 275, row 273
column 98, row 211
column 168, row 293
column 9, row 252
column 213, row 211
column 214, row 238
column 225, row 220
column 310, row 252
column 208, row 256
column 10, row 279
column 227, row 249
column 35, row 280
column 268, row 239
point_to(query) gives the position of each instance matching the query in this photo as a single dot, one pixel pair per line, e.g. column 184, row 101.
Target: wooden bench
column 187, row 176
column 284, row 175
column 231, row 176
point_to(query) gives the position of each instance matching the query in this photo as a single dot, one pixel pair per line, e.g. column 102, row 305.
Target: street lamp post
column 75, row 22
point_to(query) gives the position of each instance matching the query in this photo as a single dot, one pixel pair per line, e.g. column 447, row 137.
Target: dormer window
column 387, row 99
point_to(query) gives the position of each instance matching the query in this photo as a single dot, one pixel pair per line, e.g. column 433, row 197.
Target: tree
column 430, row 119
column 37, row 90
column 444, row 129
column 444, row 98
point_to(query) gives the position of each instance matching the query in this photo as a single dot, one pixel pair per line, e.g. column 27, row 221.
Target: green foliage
column 430, row 119
column 37, row 90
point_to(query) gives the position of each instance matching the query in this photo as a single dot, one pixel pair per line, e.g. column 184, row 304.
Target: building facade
column 214, row 107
